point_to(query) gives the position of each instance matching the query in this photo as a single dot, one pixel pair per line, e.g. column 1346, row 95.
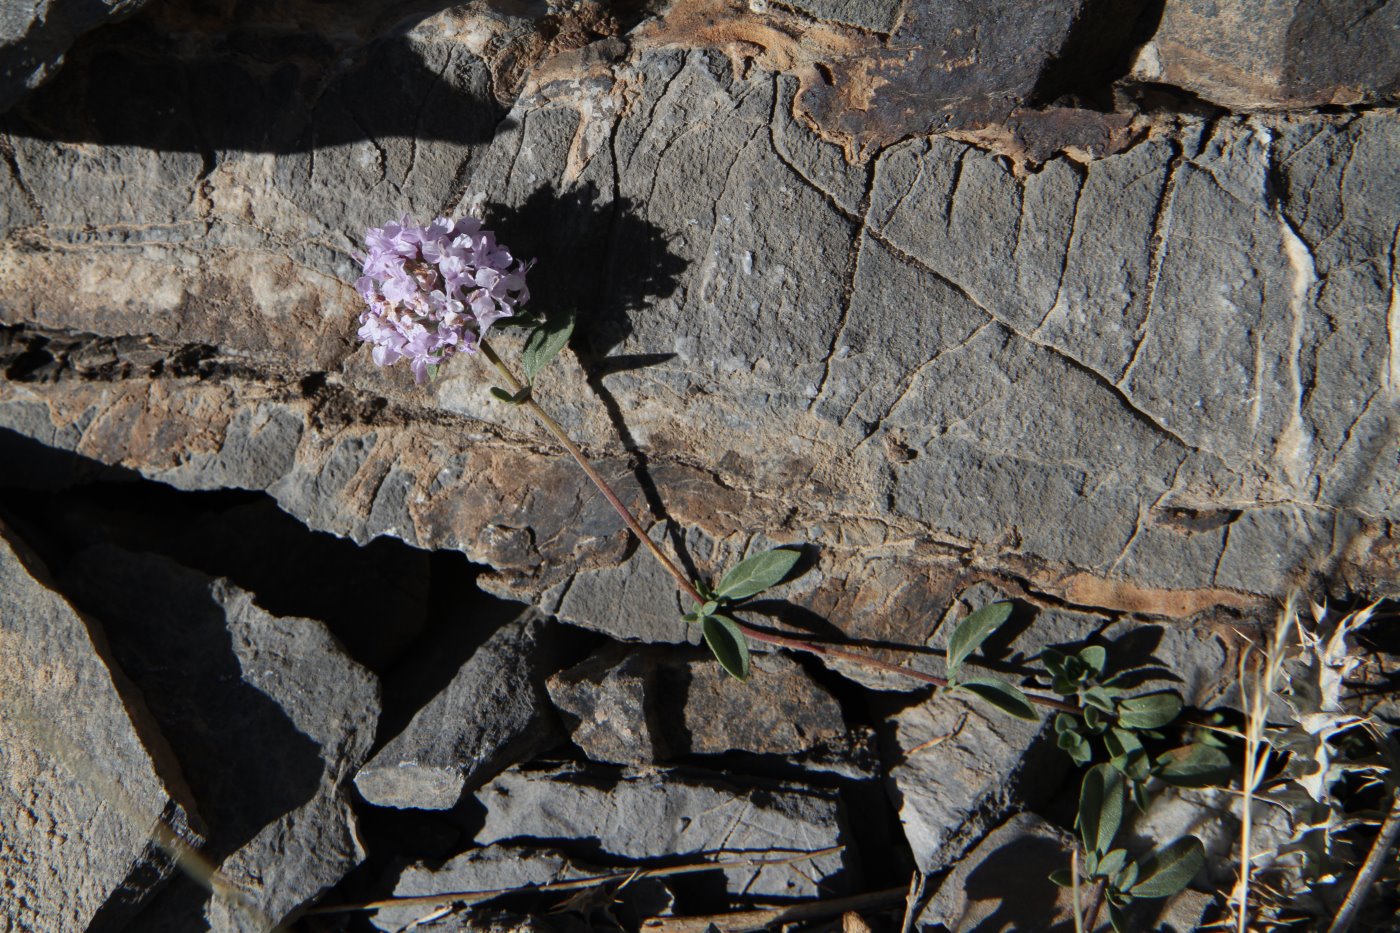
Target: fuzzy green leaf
column 1100, row 808
column 432, row 371
column 1094, row 657
column 1062, row 877
column 709, row 609
column 1121, row 742
column 1076, row 746
column 1194, row 766
column 1117, row 919
column 545, row 342
column 1054, row 662
column 1168, row 870
column 972, row 631
column 1113, row 862
column 1003, row 696
column 755, row 574
column 1149, row 711
column 728, row 644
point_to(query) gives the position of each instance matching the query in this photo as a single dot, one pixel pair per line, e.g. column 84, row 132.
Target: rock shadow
column 245, row 760
column 606, row 263
column 269, row 80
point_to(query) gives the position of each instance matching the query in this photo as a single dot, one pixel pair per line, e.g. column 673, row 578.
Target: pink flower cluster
column 434, row 291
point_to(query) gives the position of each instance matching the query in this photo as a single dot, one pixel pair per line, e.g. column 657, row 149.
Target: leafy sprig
column 745, row 580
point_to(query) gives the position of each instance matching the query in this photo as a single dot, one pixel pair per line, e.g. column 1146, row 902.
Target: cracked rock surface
column 1089, row 306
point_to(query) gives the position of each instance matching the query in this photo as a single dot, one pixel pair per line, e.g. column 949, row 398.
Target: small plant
column 1115, row 877
column 748, row 578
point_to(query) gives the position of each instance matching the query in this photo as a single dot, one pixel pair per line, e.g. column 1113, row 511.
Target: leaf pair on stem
column 747, row 579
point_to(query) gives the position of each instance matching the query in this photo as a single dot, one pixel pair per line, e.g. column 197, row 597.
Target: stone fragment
column 85, row 777
column 268, row 716
column 665, row 815
column 637, row 706
column 494, row 713
column 1004, row 883
column 956, row 766
column 34, row 36
column 507, row 868
column 1264, row 54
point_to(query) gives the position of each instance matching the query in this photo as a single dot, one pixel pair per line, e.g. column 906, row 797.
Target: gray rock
column 493, row 714
column 1004, row 883
column 664, row 815
column 506, row 868
column 1264, row 54
column 268, row 717
column 35, row 34
column 493, row 868
column 955, row 767
column 1151, row 378
column 86, row 779
column 639, row 706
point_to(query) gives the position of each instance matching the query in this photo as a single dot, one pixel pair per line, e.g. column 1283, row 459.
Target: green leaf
column 1100, row 808
column 504, row 396
column 1094, row 657
column 1064, row 722
column 1003, row 696
column 1076, row 746
column 1194, row 766
column 432, row 371
column 1099, row 697
column 545, row 342
column 1149, row 711
column 974, row 630
column 1134, row 765
column 1126, row 877
column 1121, row 742
column 755, row 574
column 691, row 617
column 1117, row 919
column 728, row 644
column 704, row 591
column 1168, row 870
column 1054, row 662
column 1094, row 720
column 709, row 609
column 1112, row 863
column 1062, row 877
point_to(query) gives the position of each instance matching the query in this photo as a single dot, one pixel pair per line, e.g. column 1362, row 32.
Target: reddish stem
column 684, row 582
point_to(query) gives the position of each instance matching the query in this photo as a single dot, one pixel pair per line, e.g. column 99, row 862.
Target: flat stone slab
column 494, row 713
column 86, row 779
column 665, row 815
column 639, row 705
column 269, row 718
column 956, row 766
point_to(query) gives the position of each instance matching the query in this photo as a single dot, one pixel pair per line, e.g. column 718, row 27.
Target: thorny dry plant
column 1309, row 754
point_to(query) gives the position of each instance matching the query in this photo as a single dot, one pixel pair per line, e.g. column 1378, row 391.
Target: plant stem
column 559, row 433
column 1091, row 913
column 1366, row 877
column 684, row 582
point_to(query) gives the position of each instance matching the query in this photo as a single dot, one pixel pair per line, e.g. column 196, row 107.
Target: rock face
column 268, row 718
column 662, row 815
column 1155, row 380
column 1266, row 54
column 955, row 767
column 637, row 706
column 86, row 781
column 493, row 714
column 35, row 34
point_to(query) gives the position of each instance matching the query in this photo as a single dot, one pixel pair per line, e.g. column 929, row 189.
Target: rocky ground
column 1087, row 306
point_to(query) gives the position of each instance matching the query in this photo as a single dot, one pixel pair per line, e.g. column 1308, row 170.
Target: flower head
column 434, row 291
